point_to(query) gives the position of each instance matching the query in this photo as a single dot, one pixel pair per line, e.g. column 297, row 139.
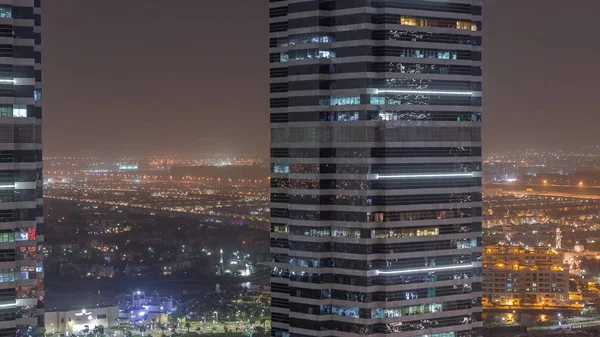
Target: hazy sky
column 129, row 77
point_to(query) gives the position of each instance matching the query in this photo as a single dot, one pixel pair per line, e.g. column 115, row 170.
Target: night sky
column 140, row 77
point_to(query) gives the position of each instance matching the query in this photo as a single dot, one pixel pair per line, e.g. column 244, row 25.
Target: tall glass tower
column 21, row 197
column 375, row 112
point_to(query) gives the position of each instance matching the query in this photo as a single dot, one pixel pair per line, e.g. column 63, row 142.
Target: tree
column 187, row 325
column 143, row 329
column 259, row 331
column 162, row 328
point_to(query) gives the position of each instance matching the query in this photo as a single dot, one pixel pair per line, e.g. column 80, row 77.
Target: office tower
column 21, row 265
column 375, row 112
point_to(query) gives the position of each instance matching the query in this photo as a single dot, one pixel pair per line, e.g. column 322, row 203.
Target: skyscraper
column 21, row 197
column 375, row 167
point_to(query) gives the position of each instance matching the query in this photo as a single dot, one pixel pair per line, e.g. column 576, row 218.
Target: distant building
column 76, row 321
column 173, row 267
column 141, row 305
column 514, row 276
column 259, row 290
column 101, row 271
column 136, row 270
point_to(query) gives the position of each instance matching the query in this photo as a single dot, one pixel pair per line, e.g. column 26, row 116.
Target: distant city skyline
column 208, row 92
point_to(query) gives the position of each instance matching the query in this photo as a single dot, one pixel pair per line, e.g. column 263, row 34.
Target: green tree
column 188, row 326
column 259, row 331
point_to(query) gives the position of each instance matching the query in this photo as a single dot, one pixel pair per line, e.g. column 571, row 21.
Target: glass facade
column 21, row 182
column 376, row 110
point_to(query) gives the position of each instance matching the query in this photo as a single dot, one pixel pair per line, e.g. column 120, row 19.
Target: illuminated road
column 554, row 194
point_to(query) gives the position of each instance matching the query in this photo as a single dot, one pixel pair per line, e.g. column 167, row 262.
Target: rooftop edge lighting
column 424, row 270
column 7, row 186
column 424, row 92
column 7, row 81
column 433, row 175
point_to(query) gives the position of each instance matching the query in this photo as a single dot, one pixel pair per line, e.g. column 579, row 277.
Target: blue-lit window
column 325, row 54
column 430, row 54
column 465, row 244
column 340, row 100
column 28, row 272
column 347, row 116
column 281, row 168
column 306, row 55
column 377, row 100
column 325, row 309
column 345, row 311
column 306, row 38
column 383, row 100
column 6, row 110
column 37, row 94
column 7, row 275
column 5, row 12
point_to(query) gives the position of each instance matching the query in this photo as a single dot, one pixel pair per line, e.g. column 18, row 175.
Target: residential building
column 516, row 276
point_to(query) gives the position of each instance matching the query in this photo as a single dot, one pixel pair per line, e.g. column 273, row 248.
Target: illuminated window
column 427, row 232
column 28, row 272
column 5, row 12
column 6, row 110
column 280, row 229
column 305, row 38
column 25, row 234
column 347, row 116
column 19, row 110
column 408, row 20
column 326, row 54
column 7, row 275
column 281, row 168
column 345, row 311
column 37, row 94
column 7, row 236
column 346, row 232
column 377, row 100
column 463, row 25
column 341, row 100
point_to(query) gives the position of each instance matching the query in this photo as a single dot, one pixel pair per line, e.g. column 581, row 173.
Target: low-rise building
column 75, row 321
column 516, row 276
